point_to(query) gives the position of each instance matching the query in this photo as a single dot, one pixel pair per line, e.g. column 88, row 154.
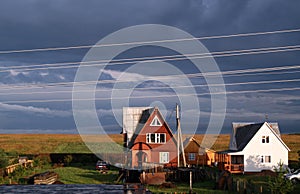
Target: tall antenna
column 179, row 139
column 266, row 117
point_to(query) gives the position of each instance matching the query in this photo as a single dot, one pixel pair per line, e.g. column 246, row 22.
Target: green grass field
column 85, row 175
column 69, row 143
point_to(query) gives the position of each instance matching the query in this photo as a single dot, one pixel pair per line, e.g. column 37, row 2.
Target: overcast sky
column 32, row 24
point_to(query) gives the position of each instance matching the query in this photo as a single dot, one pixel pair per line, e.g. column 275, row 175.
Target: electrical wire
column 150, row 42
column 180, row 57
column 192, row 75
column 157, row 87
column 157, row 96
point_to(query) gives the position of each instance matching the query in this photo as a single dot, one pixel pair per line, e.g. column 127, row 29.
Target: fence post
column 261, row 189
column 191, row 180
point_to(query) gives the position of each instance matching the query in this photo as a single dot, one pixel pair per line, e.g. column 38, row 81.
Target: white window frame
column 162, row 158
column 265, row 159
column 157, row 137
column 265, row 139
column 262, row 159
column 268, row 159
column 192, row 156
column 155, row 122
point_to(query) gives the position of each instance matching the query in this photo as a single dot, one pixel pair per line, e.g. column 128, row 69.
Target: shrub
column 3, row 159
column 280, row 185
column 42, row 160
column 68, row 159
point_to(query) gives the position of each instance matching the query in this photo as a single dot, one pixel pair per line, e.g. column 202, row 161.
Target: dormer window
column 155, row 122
column 265, row 139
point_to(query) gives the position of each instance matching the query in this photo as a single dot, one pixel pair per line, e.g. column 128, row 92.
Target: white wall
column 255, row 149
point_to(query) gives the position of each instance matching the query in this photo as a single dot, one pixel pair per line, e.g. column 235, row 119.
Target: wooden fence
column 11, row 168
column 225, row 181
column 243, row 186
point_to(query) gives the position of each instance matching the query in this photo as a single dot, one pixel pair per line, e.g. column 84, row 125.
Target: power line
column 262, row 73
column 158, row 96
column 150, row 42
column 216, row 54
column 192, row 75
column 158, row 87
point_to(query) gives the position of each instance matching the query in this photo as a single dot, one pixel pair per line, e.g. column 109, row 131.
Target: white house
column 254, row 147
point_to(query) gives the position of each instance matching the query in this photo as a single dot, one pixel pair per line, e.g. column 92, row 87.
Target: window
column 265, row 159
column 155, row 122
column 163, row 157
column 265, row 139
column 155, row 138
column 152, row 137
column 192, row 156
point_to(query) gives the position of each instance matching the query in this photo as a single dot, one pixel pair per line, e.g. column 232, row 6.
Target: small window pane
column 148, row 140
column 157, row 138
column 163, row 138
column 263, row 140
column 268, row 159
column 192, row 156
column 152, row 138
column 155, row 122
column 163, row 157
column 262, row 159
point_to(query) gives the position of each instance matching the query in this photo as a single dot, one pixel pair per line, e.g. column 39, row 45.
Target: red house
column 148, row 137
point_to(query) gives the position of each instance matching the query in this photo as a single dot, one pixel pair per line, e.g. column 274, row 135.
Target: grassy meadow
column 86, row 174
column 73, row 143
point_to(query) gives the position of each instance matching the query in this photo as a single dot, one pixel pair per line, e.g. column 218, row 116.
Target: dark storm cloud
column 56, row 23
column 53, row 23
column 31, row 24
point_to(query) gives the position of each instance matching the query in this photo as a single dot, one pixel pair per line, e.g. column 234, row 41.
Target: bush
column 3, row 159
column 299, row 158
column 42, row 160
column 68, row 159
column 280, row 184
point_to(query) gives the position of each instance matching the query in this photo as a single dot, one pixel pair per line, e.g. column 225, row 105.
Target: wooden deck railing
column 235, row 168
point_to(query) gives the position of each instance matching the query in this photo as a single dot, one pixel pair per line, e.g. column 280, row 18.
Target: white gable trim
column 277, row 136
column 155, row 121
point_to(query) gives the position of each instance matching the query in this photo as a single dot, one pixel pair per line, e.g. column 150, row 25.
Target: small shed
column 23, row 159
column 196, row 155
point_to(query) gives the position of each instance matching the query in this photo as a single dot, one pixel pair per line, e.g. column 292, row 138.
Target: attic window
column 265, row 139
column 155, row 122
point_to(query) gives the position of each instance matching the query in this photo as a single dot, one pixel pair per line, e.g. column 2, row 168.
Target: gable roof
column 144, row 118
column 273, row 125
column 190, row 139
column 275, row 128
column 146, row 114
column 244, row 132
column 278, row 136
